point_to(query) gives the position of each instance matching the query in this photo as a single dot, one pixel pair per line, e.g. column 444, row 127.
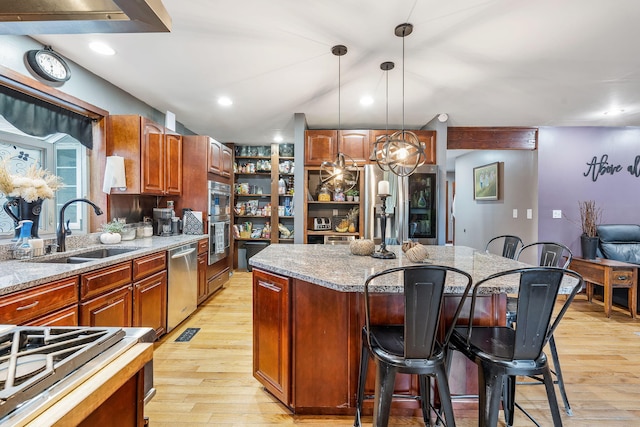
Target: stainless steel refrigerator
column 412, row 207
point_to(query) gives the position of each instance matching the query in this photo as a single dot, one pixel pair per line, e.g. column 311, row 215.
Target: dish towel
column 219, row 236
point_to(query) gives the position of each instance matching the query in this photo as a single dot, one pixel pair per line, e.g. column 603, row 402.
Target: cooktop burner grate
column 34, row 358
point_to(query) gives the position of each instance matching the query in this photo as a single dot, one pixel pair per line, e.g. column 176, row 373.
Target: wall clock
column 48, row 65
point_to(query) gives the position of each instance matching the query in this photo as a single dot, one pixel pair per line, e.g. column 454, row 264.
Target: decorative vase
column 110, row 238
column 19, row 209
column 589, row 246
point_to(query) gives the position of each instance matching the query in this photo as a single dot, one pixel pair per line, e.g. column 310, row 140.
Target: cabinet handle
column 269, row 286
column 622, row 278
column 28, row 306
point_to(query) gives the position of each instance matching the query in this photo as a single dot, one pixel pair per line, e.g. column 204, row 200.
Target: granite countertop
column 334, row 267
column 17, row 275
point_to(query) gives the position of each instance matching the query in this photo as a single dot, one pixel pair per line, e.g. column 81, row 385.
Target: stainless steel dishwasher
column 182, row 289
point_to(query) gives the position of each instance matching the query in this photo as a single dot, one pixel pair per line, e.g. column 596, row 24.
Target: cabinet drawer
column 65, row 317
column 104, row 279
column 30, row 304
column 111, row 309
column 203, row 246
column 149, row 264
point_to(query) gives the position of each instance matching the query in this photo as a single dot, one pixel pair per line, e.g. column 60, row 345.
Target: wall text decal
column 597, row 168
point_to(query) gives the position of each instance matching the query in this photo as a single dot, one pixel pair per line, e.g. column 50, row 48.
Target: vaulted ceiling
column 483, row 62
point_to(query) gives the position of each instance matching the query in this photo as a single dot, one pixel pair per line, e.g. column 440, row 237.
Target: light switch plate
column 515, row 213
column 529, row 213
column 557, row 213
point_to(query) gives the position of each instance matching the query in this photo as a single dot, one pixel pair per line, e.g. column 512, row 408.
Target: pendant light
column 342, row 174
column 378, row 145
column 402, row 152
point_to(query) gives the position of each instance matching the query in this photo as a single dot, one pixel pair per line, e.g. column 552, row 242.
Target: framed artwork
column 485, row 182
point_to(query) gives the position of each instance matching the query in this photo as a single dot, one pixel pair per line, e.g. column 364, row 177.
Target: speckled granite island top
column 19, row 275
column 334, row 267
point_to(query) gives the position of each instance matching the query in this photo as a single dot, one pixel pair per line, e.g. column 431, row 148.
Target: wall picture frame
column 486, row 182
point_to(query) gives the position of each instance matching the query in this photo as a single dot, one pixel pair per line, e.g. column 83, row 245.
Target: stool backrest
column 552, row 254
column 510, row 245
column 424, row 288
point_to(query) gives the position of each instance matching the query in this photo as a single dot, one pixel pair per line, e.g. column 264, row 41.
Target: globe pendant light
column 341, row 174
column 402, row 152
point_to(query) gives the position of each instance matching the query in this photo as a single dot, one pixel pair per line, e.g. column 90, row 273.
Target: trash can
column 253, row 248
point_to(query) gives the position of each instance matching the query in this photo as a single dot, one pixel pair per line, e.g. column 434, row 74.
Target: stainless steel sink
column 91, row 255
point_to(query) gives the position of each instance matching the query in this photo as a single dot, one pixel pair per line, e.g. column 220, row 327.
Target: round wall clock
column 48, row 65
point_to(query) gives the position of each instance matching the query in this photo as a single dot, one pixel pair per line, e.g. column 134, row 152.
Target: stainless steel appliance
column 40, row 364
column 219, row 220
column 321, row 223
column 412, row 206
column 182, row 286
column 162, row 221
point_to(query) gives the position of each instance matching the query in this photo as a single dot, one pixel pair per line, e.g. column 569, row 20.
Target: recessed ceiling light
column 366, row 100
column 225, row 101
column 101, row 48
column 277, row 138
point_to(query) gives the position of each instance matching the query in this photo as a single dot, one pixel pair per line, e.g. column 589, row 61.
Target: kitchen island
column 308, row 317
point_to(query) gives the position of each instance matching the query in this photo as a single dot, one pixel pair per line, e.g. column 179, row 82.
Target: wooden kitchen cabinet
column 66, row 317
column 111, row 309
column 153, row 155
column 203, row 261
column 226, row 165
column 98, row 281
column 272, row 333
column 215, row 156
column 150, row 303
column 34, row 305
column 324, row 145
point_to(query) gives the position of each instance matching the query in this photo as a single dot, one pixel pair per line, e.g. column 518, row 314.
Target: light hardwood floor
column 208, row 381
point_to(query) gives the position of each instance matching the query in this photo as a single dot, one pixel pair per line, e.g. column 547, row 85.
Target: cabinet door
column 226, row 165
column 110, row 309
column 202, row 278
column 355, row 144
column 272, row 333
column 215, row 156
column 152, row 158
column 320, row 146
column 428, row 138
column 150, row 303
column 173, row 157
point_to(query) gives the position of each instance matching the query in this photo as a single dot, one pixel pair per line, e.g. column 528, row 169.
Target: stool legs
column 362, row 377
column 558, row 372
column 385, row 382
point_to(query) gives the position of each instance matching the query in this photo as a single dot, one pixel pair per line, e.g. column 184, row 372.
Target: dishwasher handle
column 182, row 254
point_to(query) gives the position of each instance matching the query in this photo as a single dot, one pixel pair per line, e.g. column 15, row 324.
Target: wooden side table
column 608, row 274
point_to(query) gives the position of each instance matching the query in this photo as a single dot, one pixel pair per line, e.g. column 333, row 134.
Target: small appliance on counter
column 162, row 221
column 321, row 223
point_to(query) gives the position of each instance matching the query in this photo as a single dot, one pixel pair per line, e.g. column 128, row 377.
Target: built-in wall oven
column 219, row 220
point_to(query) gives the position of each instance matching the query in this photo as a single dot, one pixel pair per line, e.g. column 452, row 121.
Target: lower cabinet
column 66, row 317
column 203, row 292
column 111, row 309
column 272, row 333
column 150, row 302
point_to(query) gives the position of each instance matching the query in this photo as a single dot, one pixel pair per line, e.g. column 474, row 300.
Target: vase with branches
column 590, row 217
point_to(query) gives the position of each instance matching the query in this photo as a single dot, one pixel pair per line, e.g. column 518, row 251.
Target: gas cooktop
column 32, row 359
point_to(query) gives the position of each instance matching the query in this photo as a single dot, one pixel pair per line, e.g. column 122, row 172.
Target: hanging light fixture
column 378, row 145
column 401, row 153
column 342, row 174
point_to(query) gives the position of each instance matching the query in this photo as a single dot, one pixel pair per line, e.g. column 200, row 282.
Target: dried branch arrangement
column 590, row 217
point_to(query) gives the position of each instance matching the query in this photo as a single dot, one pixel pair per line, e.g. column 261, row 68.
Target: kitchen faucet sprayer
column 63, row 229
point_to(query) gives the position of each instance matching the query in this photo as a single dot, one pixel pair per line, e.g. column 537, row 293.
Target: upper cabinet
column 220, row 158
column 324, row 145
column 153, row 155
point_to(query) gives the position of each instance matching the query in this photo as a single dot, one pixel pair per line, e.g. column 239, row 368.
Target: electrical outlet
column 335, row 212
column 557, row 213
column 529, row 213
column 515, row 213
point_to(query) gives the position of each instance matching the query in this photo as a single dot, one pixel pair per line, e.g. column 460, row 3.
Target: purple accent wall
column 564, row 157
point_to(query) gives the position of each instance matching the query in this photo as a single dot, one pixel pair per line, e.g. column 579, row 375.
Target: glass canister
column 324, row 195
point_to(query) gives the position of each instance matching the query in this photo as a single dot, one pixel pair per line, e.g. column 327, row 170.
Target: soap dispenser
column 22, row 248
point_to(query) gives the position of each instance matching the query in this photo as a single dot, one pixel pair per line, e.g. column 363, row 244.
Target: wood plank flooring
column 208, row 381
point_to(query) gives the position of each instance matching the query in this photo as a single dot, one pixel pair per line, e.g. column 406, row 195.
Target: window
column 59, row 153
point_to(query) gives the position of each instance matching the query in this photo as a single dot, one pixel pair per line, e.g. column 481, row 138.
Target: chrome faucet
column 64, row 230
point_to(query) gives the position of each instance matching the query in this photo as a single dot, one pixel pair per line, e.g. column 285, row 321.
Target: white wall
column 478, row 221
